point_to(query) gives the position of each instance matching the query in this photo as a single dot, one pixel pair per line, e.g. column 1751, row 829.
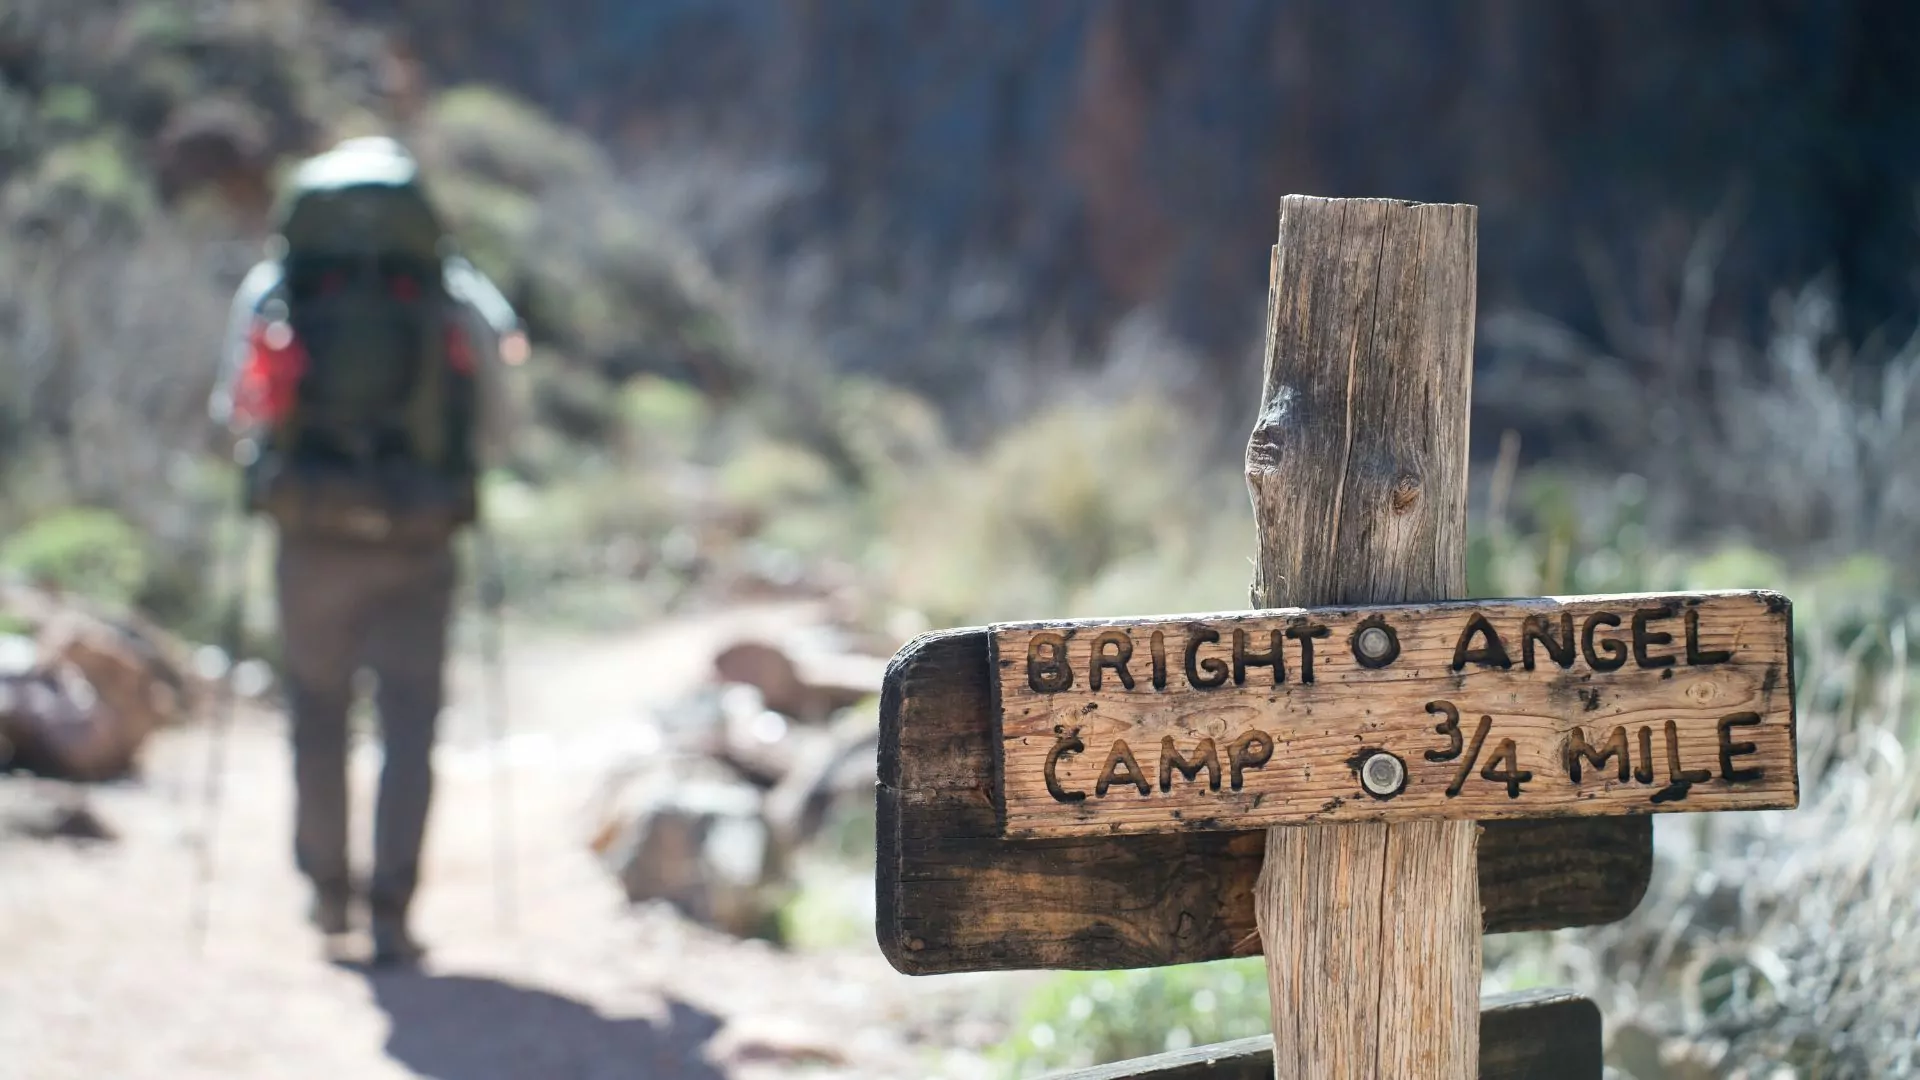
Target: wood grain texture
column 1634, row 704
column 1357, row 469
column 1535, row 1035
column 954, row 895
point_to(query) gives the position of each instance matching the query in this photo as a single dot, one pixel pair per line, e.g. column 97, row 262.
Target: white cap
column 368, row 159
column 374, row 145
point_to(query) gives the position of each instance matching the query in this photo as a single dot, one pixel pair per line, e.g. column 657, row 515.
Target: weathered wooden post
column 1358, row 470
column 1080, row 794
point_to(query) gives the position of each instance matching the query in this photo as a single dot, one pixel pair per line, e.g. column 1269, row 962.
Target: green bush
column 1565, row 536
column 494, row 135
column 90, row 552
column 95, row 173
column 828, row 909
column 767, row 477
column 492, row 221
column 665, row 418
column 67, row 105
column 1082, row 1018
column 1085, row 509
column 583, row 549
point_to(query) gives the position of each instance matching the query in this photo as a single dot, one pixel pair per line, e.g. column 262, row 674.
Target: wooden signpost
column 1310, row 781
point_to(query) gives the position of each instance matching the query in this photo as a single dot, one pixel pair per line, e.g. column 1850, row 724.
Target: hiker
column 361, row 383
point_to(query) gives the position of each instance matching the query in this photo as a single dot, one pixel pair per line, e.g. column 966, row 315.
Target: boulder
column 80, row 699
column 747, row 770
column 825, row 766
column 808, row 686
column 54, row 726
column 696, row 842
column 163, row 661
column 755, row 741
column 778, row 1040
column 134, row 682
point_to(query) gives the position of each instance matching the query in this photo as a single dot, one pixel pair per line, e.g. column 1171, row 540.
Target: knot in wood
column 1263, row 453
column 1406, row 492
column 1263, row 447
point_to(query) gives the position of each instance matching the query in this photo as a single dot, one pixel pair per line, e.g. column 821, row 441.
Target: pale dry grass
column 1804, row 445
column 1777, row 944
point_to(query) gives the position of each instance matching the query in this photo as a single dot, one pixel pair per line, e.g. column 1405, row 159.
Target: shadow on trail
column 458, row 1027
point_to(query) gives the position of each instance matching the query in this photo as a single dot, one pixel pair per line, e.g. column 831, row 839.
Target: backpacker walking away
column 359, row 380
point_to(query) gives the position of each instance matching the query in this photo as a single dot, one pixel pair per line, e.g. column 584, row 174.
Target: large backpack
column 363, row 361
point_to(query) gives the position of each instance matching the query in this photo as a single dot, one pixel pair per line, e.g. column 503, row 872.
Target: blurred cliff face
column 1109, row 154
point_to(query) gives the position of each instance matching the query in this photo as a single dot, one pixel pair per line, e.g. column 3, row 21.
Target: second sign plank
column 1531, row 708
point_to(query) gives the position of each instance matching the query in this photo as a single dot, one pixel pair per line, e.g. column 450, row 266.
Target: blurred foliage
column 665, row 420
column 67, row 106
column 485, row 136
column 88, row 179
column 139, row 150
column 1082, row 1018
column 1805, row 442
column 607, row 288
column 89, row 552
column 1779, row 943
column 831, row 903
column 1085, row 508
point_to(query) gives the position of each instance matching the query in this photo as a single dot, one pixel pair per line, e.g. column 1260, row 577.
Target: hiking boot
column 393, row 946
column 329, row 913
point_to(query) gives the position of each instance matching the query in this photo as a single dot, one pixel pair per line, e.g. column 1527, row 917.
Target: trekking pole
column 492, row 632
column 238, row 562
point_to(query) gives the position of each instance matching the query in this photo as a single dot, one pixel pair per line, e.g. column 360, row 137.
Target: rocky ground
column 101, row 975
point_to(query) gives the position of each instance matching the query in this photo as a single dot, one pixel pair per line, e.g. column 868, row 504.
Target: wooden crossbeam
column 955, row 895
column 1533, row 1035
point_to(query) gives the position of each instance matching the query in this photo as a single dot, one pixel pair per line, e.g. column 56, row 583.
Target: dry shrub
column 484, row 134
column 1776, row 944
column 110, row 349
column 1085, row 509
column 1802, row 445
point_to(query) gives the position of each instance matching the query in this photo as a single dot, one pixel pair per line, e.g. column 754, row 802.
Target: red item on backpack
column 459, row 350
column 269, row 375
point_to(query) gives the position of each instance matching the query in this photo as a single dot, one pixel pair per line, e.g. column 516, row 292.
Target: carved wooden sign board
column 954, row 893
column 1536, row 708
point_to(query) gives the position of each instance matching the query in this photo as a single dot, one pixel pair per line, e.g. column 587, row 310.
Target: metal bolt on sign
column 1375, row 644
column 1383, row 774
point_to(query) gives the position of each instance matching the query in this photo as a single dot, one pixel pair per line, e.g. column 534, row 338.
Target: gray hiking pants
column 345, row 605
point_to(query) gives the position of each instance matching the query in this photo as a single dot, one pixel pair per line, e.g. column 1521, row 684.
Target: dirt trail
column 98, row 977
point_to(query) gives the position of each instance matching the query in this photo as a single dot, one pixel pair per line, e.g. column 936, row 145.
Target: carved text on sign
column 1502, row 708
